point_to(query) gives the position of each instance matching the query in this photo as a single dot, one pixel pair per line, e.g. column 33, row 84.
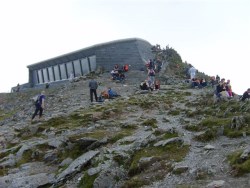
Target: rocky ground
column 174, row 137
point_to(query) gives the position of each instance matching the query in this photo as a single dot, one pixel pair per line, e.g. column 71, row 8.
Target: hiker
column 112, row 93
column 144, row 85
column 92, row 88
column 125, row 68
column 195, row 83
column 157, row 84
column 213, row 81
column 192, row 72
column 229, row 88
column 40, row 103
column 71, row 77
column 151, row 64
column 217, row 79
column 246, row 95
column 151, row 77
column 18, row 87
column 47, row 85
column 116, row 68
column 203, row 82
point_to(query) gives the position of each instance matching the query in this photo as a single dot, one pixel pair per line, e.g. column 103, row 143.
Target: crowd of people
column 222, row 88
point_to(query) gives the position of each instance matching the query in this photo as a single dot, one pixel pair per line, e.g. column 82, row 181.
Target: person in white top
column 192, row 72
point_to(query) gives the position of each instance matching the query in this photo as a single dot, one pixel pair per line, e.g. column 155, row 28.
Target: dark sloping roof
column 85, row 52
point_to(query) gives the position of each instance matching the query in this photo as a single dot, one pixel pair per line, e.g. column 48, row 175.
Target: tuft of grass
column 174, row 112
column 150, row 122
column 87, row 181
column 194, row 128
column 173, row 152
column 239, row 166
column 121, row 134
column 208, row 135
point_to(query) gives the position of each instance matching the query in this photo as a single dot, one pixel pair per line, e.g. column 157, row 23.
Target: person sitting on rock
column 112, row 94
column 203, row 82
column 246, row 95
column 229, row 88
column 157, row 84
column 144, row 85
column 195, row 83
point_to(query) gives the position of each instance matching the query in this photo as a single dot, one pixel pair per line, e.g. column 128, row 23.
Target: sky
column 212, row 35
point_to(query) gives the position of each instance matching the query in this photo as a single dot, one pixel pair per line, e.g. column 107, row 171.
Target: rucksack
column 36, row 99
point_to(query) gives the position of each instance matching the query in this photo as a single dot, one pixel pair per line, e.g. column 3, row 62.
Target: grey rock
column 66, row 161
column 169, row 141
column 32, row 181
column 76, row 165
column 209, row 147
column 245, row 154
column 218, row 183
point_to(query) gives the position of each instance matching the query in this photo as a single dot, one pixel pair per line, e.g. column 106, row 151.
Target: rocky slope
column 174, row 137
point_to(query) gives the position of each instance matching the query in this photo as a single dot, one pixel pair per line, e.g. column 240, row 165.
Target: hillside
column 174, row 137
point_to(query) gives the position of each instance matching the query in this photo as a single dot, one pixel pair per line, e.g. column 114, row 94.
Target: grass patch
column 27, row 157
column 194, row 128
column 239, row 166
column 173, row 152
column 174, row 112
column 150, row 122
column 208, row 135
column 87, row 181
column 121, row 134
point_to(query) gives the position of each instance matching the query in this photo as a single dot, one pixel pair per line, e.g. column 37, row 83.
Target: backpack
column 36, row 99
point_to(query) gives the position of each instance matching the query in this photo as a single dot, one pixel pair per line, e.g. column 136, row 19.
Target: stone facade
column 134, row 52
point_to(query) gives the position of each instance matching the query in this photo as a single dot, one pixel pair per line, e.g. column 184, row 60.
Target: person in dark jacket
column 40, row 103
column 93, row 85
column 246, row 95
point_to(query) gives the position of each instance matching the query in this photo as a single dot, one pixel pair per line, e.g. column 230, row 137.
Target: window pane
column 56, row 70
column 69, row 68
column 85, row 66
column 77, row 67
column 51, row 77
column 92, row 60
column 39, row 72
column 45, row 75
column 34, row 75
column 63, row 71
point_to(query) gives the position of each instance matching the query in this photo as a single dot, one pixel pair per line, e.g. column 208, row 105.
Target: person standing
column 192, row 72
column 40, row 103
column 93, row 87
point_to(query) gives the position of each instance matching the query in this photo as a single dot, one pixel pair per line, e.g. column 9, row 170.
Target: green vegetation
column 239, row 166
column 87, row 181
column 150, row 122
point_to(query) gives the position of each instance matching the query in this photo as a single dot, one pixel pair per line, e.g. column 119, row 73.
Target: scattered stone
column 218, row 183
column 180, row 169
column 209, row 147
column 169, row 141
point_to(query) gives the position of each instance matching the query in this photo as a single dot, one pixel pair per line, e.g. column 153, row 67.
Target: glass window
column 77, row 68
column 34, row 75
column 85, row 66
column 51, row 75
column 63, row 71
column 69, row 68
column 56, row 71
column 45, row 75
column 40, row 77
column 92, row 60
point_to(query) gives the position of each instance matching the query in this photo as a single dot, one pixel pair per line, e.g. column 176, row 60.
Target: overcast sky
column 212, row 35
